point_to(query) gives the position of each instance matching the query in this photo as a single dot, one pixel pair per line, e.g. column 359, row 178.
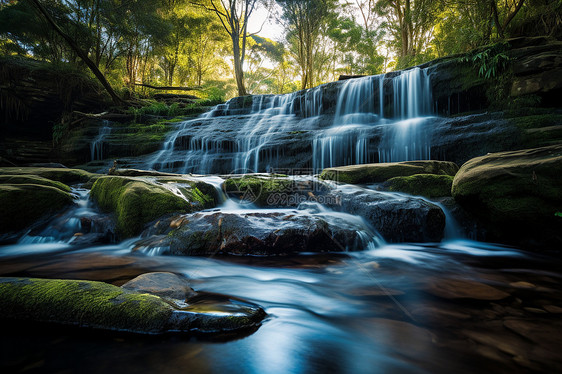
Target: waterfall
column 382, row 118
column 96, row 146
column 357, row 119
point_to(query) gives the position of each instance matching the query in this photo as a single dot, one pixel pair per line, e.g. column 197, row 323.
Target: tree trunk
column 238, row 68
column 99, row 75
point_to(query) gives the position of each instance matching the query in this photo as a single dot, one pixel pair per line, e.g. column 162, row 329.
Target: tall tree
column 304, row 20
column 234, row 16
column 76, row 48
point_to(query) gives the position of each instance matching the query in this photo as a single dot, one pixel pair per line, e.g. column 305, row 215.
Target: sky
column 271, row 29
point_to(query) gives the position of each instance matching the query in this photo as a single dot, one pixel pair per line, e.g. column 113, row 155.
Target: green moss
column 258, row 189
column 521, row 186
column 137, row 202
column 32, row 179
column 82, row 303
column 67, row 176
column 428, row 185
column 537, row 120
column 23, row 204
column 378, row 173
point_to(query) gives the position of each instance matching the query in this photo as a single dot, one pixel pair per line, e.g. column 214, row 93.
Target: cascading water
column 96, row 147
column 374, row 119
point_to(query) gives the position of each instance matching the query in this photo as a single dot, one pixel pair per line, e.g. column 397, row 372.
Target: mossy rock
column 427, row 185
column 103, row 306
column 273, row 190
column 67, row 176
column 378, row 173
column 23, row 204
column 137, row 202
column 32, row 179
column 518, row 192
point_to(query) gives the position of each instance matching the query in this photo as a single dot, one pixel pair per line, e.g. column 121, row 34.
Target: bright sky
column 270, row 29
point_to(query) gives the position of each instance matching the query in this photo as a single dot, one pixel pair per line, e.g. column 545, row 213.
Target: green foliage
column 490, row 61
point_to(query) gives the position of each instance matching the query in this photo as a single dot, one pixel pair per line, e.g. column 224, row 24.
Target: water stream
column 379, row 118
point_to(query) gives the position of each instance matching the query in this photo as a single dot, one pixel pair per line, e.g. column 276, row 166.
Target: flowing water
column 457, row 306
column 379, row 118
column 97, row 145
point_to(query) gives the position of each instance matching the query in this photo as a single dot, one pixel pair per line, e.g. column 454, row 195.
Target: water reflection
column 400, row 308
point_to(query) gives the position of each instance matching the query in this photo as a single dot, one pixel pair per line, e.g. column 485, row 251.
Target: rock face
column 427, row 185
column 137, row 201
column 396, row 218
column 378, row 173
column 256, row 233
column 519, row 194
column 24, row 203
column 103, row 306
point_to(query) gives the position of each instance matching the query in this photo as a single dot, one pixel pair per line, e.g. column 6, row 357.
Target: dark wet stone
column 463, row 289
column 161, row 284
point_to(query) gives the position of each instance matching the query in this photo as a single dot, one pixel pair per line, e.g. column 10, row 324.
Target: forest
column 206, row 45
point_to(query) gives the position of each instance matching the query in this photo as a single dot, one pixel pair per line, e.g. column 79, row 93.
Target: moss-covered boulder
column 103, row 306
column 23, row 204
column 427, row 185
column 137, row 201
column 519, row 194
column 32, row 179
column 378, row 173
column 273, row 190
column 67, row 176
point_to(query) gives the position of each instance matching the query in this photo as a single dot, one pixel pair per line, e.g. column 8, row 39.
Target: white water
column 96, row 147
column 375, row 119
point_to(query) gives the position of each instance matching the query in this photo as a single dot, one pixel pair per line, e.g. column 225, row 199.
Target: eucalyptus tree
column 234, row 16
column 304, row 20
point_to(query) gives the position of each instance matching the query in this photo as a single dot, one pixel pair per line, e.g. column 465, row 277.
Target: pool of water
column 454, row 307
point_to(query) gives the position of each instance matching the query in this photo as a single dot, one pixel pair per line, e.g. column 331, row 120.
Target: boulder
column 23, row 204
column 137, row 201
column 273, row 190
column 378, row 173
column 255, row 233
column 103, row 306
column 67, row 176
column 396, row 218
column 519, row 194
column 165, row 285
column 32, row 179
column 427, row 185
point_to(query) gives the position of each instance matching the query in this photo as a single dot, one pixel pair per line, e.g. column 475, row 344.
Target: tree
column 411, row 23
column 83, row 56
column 303, row 20
column 234, row 16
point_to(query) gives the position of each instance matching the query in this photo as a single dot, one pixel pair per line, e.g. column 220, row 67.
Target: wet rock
column 464, row 289
column 32, row 179
column 274, row 190
column 254, row 233
column 167, row 285
column 378, row 173
column 396, row 218
column 137, row 201
column 518, row 194
column 427, row 185
column 103, row 306
column 67, row 176
column 23, row 204
column 537, row 331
